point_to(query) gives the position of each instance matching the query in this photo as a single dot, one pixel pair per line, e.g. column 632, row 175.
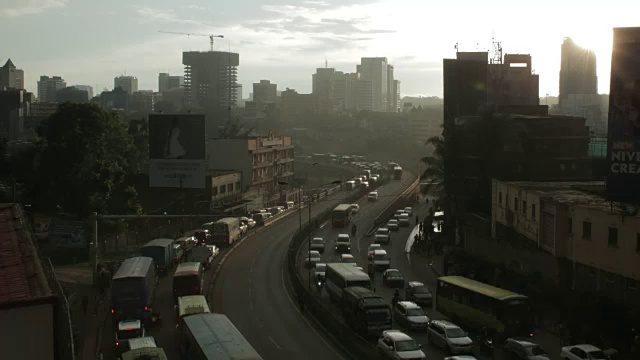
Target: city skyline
column 287, row 41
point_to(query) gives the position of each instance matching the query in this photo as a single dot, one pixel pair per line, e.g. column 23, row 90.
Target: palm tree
column 434, row 173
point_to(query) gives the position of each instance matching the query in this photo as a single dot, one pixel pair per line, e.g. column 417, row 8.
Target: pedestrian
column 416, row 239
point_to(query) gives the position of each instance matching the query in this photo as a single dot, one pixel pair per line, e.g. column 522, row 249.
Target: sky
column 89, row 42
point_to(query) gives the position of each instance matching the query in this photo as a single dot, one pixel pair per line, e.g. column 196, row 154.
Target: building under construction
column 210, row 79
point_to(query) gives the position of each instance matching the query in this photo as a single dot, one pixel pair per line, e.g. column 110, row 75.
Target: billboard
column 623, row 148
column 67, row 234
column 177, row 151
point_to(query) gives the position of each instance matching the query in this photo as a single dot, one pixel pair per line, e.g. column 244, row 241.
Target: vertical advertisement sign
column 177, row 151
column 623, row 148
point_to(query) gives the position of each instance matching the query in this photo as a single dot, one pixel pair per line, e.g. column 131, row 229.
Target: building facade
column 296, row 107
column 226, row 190
column 72, row 94
column 87, row 88
column 376, row 70
column 264, row 162
column 265, row 92
column 11, row 112
column 48, row 88
column 424, row 123
column 167, row 82
column 11, row 77
column 127, row 83
column 210, row 78
column 577, row 71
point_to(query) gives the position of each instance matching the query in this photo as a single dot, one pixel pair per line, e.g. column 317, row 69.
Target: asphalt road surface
column 251, row 290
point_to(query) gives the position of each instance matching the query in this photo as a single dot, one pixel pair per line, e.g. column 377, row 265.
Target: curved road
column 251, row 290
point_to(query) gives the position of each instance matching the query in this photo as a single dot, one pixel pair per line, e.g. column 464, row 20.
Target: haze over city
column 285, row 40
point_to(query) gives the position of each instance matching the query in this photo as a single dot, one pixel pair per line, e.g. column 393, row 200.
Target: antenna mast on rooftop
column 496, row 56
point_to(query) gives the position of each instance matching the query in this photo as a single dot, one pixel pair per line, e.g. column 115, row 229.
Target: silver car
column 450, row 336
column 393, row 224
column 394, row 344
column 382, row 236
column 410, row 315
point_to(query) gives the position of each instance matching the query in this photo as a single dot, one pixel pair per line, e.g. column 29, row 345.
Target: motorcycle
column 486, row 342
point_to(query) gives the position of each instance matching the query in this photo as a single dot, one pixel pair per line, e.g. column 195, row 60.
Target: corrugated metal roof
column 16, row 257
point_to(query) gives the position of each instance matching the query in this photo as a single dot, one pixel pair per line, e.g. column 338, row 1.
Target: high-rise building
column 343, row 91
column 72, row 94
column 265, row 92
column 48, row 87
column 210, row 78
column 87, row 88
column 375, row 69
column 297, row 107
column 11, row 77
column 363, row 93
column 577, row 70
column 167, row 82
column 322, row 87
column 392, row 98
column 127, row 83
column 239, row 98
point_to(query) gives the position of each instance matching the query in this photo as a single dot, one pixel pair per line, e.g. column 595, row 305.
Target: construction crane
column 210, row 36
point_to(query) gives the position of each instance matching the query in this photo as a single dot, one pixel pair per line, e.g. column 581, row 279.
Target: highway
column 251, row 289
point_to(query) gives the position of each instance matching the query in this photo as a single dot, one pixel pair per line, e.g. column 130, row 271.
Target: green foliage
column 81, row 162
column 434, row 173
column 233, row 129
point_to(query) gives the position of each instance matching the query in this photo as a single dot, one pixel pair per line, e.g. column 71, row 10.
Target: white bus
column 226, row 231
column 340, row 275
column 213, row 336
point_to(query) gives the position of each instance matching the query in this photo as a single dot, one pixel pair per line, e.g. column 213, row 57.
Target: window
column 500, row 198
column 222, row 189
column 229, row 187
column 533, row 211
column 610, row 277
column 570, row 225
column 515, row 204
column 214, row 191
column 586, row 230
column 524, row 207
column 613, row 237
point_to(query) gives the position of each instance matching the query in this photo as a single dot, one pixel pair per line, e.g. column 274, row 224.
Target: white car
column 410, row 315
column 404, row 220
column 373, row 196
column 312, row 259
column 371, row 249
column 348, row 259
column 408, row 210
column 355, row 208
column 450, row 336
column 582, row 352
column 382, row 235
column 393, row 224
column 397, row 214
column 381, row 260
column 394, row 344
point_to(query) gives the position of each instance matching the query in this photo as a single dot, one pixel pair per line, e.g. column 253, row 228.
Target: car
column 524, row 350
column 393, row 224
column 382, row 235
column 371, row 249
column 203, row 236
column 410, row 315
column 127, row 329
column 394, row 344
column 380, row 260
column 312, row 259
column 179, row 251
column 460, row 357
column 397, row 214
column 317, row 244
column 260, row 218
column 408, row 210
column 393, row 278
column 247, row 221
column 404, row 220
column 373, row 196
column 365, row 184
column 448, row 335
column 355, row 208
column 418, row 293
column 343, row 243
column 319, row 271
column 244, row 228
column 348, row 259
column 582, row 352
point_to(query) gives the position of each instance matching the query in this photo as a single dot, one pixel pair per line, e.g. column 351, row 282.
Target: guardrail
column 405, row 199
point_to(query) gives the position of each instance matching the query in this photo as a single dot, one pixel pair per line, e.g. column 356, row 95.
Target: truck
column 397, row 173
column 162, row 253
column 226, row 231
column 133, row 289
column 365, row 312
column 341, row 215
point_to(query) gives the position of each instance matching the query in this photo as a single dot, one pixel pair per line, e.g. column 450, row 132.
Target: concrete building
column 343, row 92
column 513, row 82
column 593, row 107
column 265, row 92
column 395, row 97
column 29, row 308
column 210, row 78
column 11, row 113
column 375, row 69
column 127, row 83
column 42, row 109
column 296, row 107
column 48, row 87
column 566, row 232
column 263, row 162
column 168, row 82
column 392, row 91
column 577, row 71
column 71, row 94
column 172, row 100
column 143, row 102
column 117, row 99
column 11, row 77
column 226, row 190
column 424, row 123
column 239, row 98
column 323, row 82
column 87, row 88
column 363, row 93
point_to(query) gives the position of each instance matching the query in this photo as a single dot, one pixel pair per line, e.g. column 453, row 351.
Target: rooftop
column 587, row 194
column 22, row 277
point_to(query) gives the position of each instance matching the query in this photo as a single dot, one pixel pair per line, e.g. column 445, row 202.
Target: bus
column 188, row 280
column 475, row 305
column 213, row 336
column 226, row 231
column 397, row 173
column 191, row 305
column 133, row 289
column 340, row 275
column 341, row 215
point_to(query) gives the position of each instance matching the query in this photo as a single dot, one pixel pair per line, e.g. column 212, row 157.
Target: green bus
column 477, row 306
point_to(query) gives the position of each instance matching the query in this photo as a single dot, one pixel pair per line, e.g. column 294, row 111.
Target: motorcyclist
column 396, row 297
column 354, row 230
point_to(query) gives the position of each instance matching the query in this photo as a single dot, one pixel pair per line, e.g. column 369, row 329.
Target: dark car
column 203, row 236
column 418, row 293
column 393, row 278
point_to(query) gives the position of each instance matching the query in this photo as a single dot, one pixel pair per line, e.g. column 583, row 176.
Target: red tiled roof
column 19, row 262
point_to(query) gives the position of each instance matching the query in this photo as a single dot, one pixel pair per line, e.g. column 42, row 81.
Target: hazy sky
column 91, row 41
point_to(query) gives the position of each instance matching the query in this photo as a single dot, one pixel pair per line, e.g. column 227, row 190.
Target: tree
column 139, row 132
column 81, row 162
column 434, row 173
column 233, row 129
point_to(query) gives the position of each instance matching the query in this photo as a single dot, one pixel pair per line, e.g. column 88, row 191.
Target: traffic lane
column 250, row 290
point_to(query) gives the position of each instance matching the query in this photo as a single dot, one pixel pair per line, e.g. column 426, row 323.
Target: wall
column 225, row 186
column 231, row 154
column 516, row 208
column 24, row 327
